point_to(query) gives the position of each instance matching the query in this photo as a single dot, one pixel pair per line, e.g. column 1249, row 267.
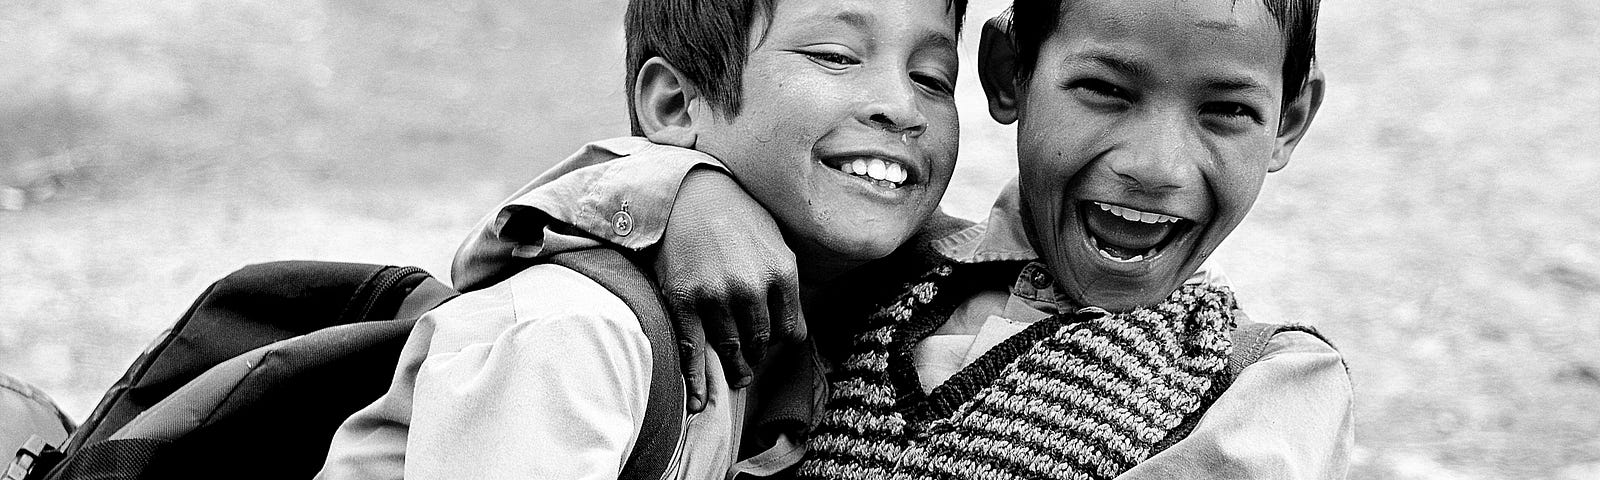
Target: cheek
column 1045, row 166
column 1043, row 209
column 946, row 149
column 1237, row 182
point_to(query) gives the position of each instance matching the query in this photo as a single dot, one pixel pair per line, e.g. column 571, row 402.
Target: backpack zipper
column 384, row 281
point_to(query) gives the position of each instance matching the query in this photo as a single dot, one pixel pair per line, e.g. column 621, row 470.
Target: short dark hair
column 1033, row 21
column 706, row 40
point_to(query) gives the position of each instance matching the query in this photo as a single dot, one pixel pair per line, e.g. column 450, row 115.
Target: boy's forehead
column 1127, row 15
column 864, row 18
column 1139, row 36
column 858, row 14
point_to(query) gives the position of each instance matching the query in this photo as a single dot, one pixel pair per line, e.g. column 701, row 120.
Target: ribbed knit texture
column 1074, row 396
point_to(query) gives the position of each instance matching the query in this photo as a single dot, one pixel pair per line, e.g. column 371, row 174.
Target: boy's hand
column 728, row 278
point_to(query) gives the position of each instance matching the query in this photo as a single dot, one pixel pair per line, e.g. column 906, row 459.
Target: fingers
column 756, row 327
column 691, row 357
column 783, row 303
column 722, row 330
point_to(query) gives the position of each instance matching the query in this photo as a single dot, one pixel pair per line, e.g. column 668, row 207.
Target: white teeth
column 884, row 174
column 876, row 169
column 1121, row 260
column 896, row 173
column 1109, row 256
column 1135, row 215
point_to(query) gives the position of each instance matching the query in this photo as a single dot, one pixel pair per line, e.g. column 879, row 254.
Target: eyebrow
column 1118, row 63
column 1136, row 69
column 855, row 19
column 863, row 24
column 939, row 40
column 1216, row 25
column 1236, row 84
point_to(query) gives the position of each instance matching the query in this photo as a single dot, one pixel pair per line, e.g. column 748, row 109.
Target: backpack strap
column 663, row 416
column 1250, row 341
column 1249, row 344
column 427, row 295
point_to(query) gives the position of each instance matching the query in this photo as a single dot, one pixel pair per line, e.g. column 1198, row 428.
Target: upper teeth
column 1135, row 215
column 875, row 169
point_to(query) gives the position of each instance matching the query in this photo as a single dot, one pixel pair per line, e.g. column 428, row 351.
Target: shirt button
column 1038, row 278
column 622, row 223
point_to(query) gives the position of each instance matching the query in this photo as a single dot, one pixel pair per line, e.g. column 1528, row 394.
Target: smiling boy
column 540, row 372
column 1170, row 114
column 1145, row 129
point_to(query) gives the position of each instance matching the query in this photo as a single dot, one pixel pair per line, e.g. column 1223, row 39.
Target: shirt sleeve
column 545, row 376
column 619, row 191
column 588, row 192
column 1287, row 416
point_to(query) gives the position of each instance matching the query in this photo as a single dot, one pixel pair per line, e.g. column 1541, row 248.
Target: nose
column 894, row 108
column 1161, row 154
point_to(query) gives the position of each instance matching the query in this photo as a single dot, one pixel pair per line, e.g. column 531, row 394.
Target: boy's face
column 1144, row 135
column 847, row 132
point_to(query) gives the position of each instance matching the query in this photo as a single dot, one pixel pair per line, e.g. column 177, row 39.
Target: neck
column 818, row 295
column 814, row 284
column 820, row 270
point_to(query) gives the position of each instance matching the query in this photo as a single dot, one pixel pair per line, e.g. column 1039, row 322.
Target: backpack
column 253, row 381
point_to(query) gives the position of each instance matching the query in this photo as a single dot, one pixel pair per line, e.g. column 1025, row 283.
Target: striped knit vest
column 1074, row 396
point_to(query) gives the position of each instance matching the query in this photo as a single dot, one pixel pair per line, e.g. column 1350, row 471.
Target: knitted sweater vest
column 1073, row 396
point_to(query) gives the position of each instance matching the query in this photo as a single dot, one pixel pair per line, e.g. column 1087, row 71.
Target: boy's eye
column 935, row 82
column 831, row 60
column 1232, row 111
column 1101, row 88
column 1100, row 94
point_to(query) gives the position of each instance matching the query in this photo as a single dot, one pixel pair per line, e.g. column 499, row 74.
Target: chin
column 868, row 244
column 867, row 249
column 1095, row 282
column 1130, row 299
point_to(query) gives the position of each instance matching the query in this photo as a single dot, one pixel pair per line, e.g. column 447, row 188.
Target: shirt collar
column 1036, row 290
column 998, row 238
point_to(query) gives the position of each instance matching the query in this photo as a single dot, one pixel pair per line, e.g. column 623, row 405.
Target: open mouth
column 883, row 173
column 1126, row 235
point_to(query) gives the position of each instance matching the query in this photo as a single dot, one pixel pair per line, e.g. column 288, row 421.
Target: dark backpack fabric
column 239, row 315
column 255, row 306
column 270, row 410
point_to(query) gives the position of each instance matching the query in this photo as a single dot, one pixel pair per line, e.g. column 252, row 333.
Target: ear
column 661, row 99
column 997, row 68
column 1296, row 118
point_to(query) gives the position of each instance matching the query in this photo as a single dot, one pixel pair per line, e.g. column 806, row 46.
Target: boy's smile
column 1144, row 133
column 1127, row 235
column 883, row 171
column 848, row 131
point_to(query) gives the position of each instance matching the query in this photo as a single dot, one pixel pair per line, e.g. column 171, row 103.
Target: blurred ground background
column 1439, row 223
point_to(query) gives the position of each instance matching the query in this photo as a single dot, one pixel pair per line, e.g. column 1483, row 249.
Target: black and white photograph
column 799, row 239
